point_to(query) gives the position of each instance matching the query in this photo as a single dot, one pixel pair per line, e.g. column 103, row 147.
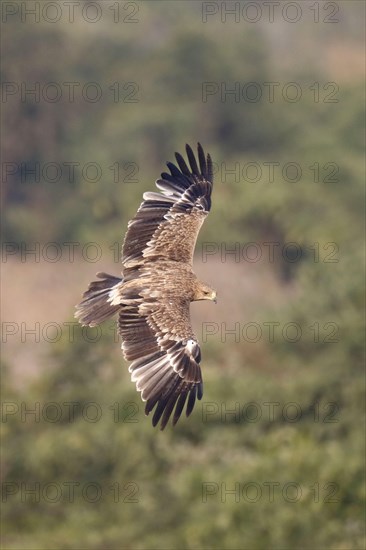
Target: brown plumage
column 153, row 297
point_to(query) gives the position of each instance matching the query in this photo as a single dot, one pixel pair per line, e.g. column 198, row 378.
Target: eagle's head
column 205, row 292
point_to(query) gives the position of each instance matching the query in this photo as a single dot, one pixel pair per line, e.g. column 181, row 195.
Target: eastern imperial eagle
column 153, row 297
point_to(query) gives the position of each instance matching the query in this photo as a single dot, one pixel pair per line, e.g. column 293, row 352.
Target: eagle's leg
column 99, row 301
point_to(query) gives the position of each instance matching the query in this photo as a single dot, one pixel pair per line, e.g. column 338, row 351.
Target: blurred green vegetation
column 161, row 477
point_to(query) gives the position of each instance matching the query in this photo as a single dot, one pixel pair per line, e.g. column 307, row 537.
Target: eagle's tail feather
column 99, row 301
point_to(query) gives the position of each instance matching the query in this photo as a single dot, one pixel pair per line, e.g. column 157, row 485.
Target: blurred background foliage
column 168, row 56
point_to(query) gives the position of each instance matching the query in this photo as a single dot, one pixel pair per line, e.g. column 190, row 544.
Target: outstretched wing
column 157, row 337
column 167, row 224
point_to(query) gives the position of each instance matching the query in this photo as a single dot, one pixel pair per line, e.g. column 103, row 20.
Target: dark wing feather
column 165, row 365
column 174, row 216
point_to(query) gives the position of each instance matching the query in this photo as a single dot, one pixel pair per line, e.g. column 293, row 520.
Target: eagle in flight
column 153, row 296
